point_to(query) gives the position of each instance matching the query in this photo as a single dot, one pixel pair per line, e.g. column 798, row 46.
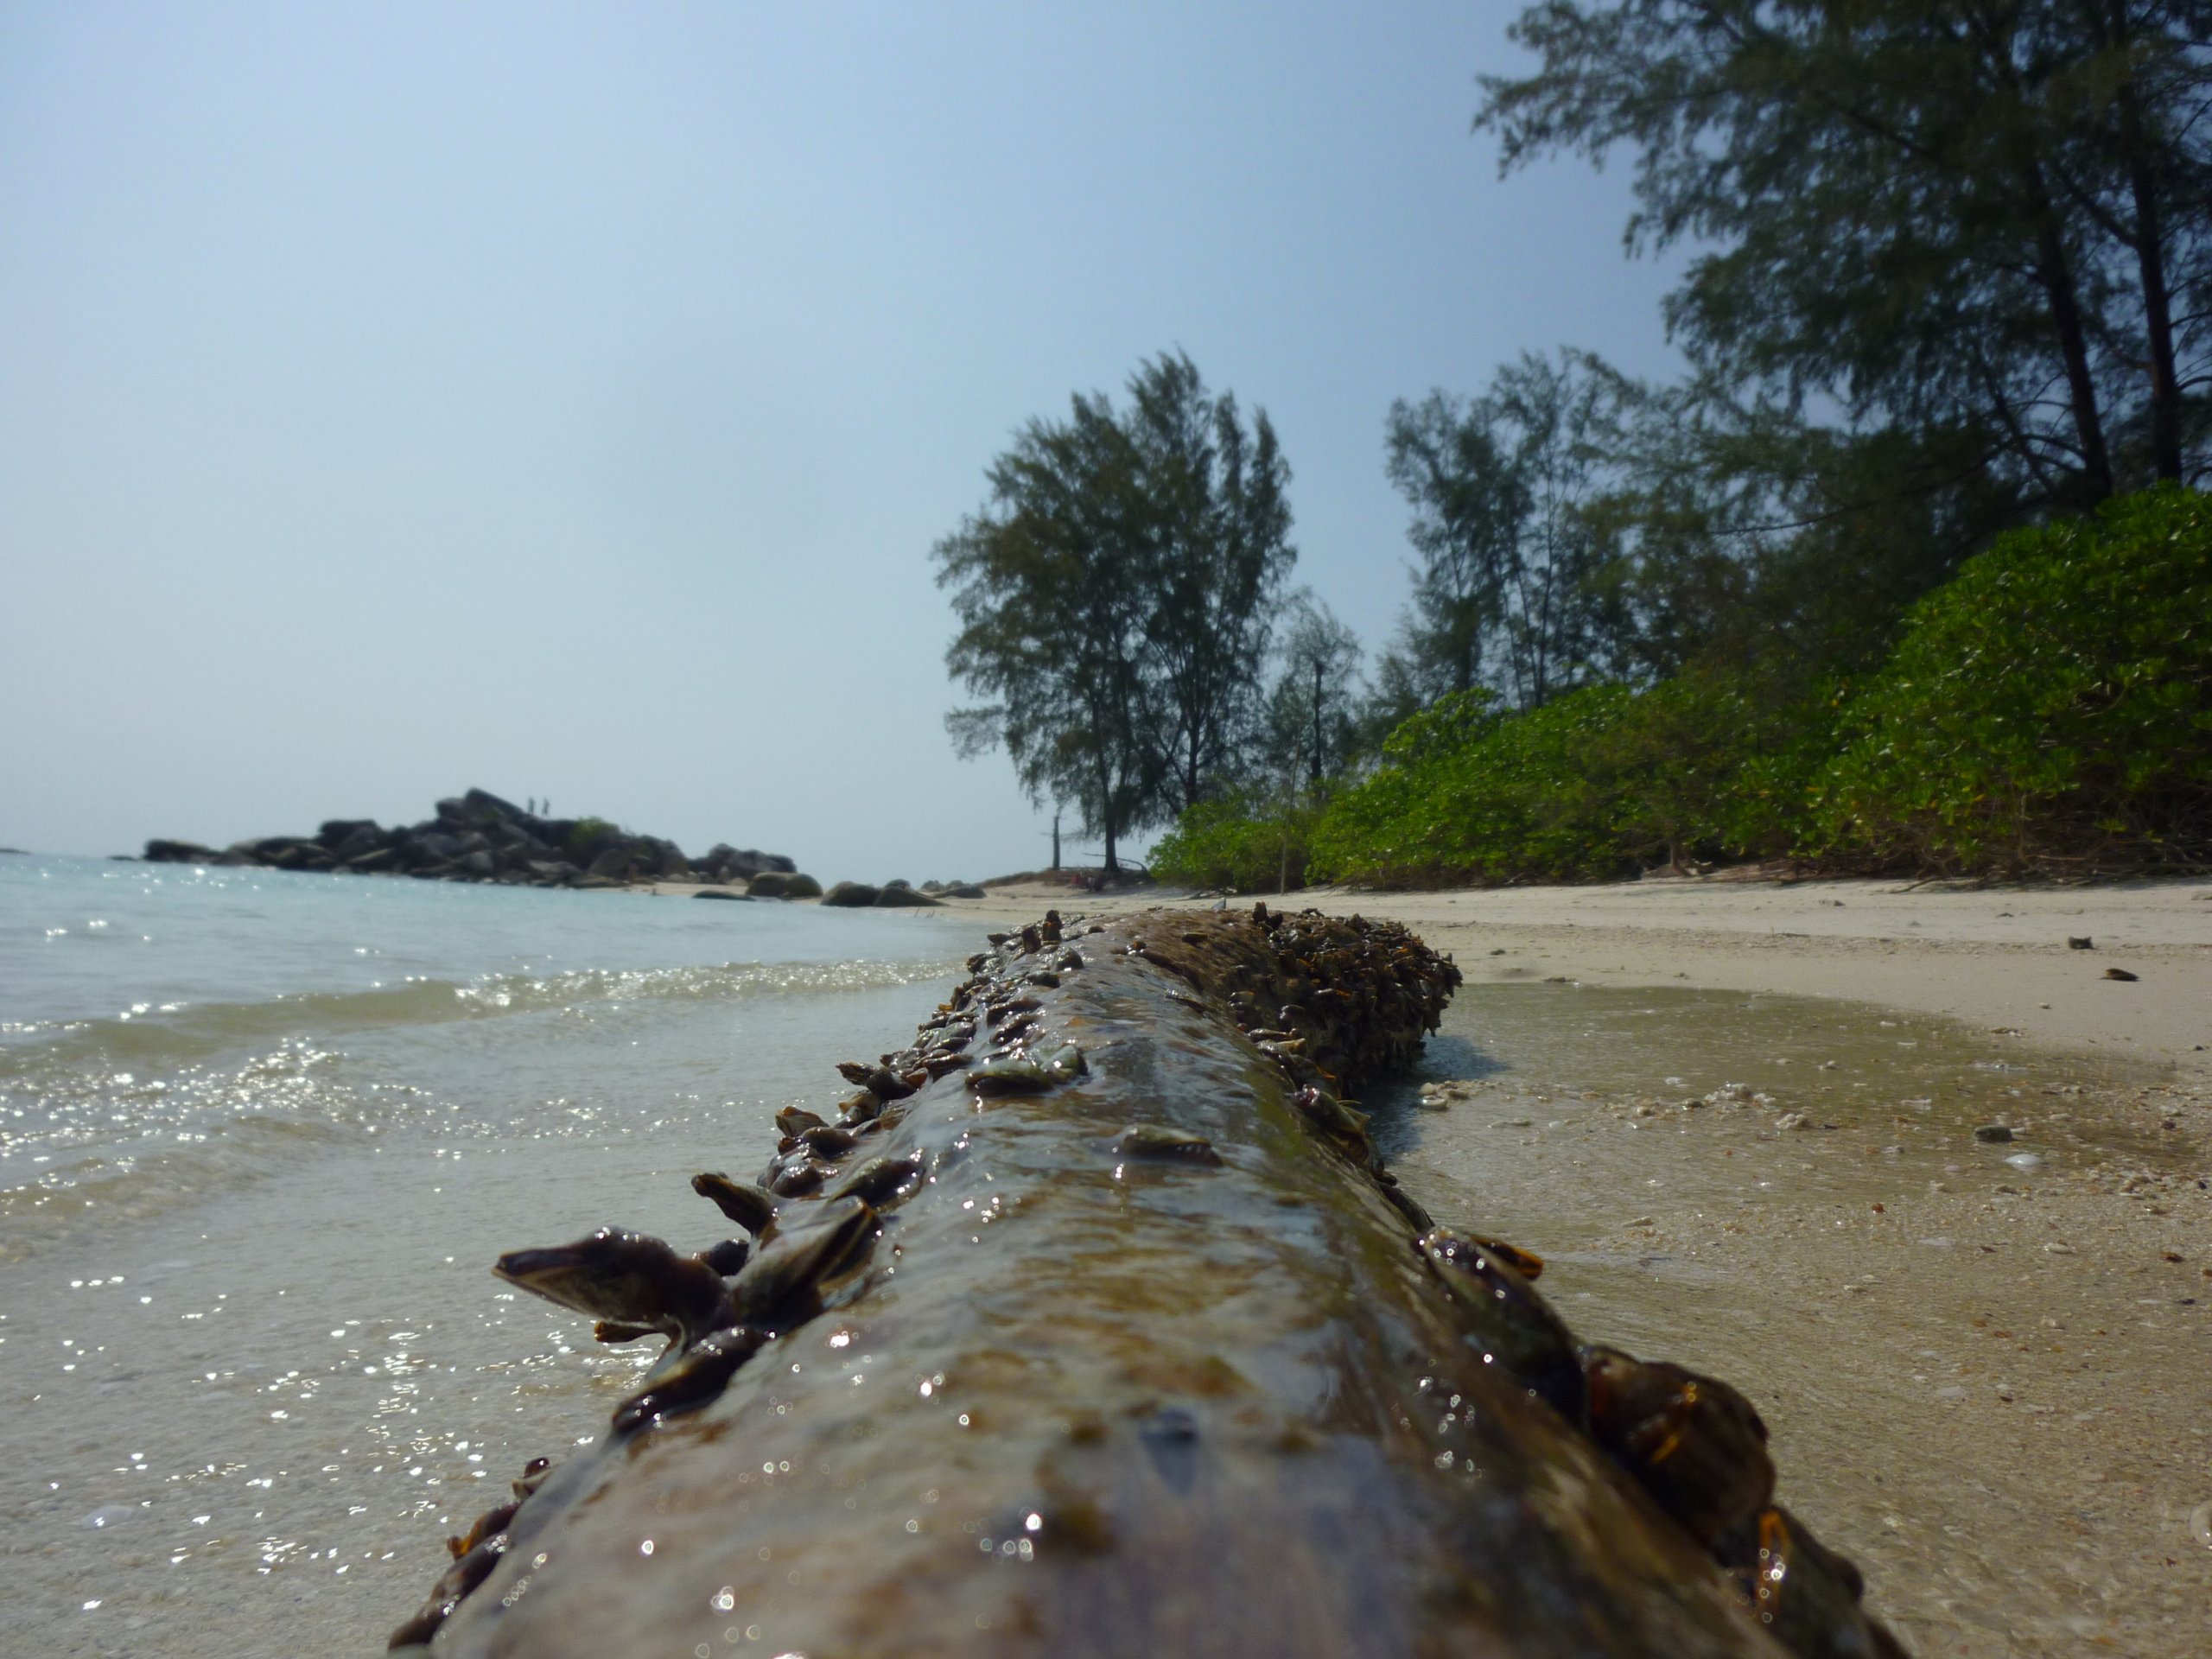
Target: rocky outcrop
column 479, row 836
column 852, row 895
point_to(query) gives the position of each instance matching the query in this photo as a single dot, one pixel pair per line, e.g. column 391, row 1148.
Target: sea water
column 261, row 1136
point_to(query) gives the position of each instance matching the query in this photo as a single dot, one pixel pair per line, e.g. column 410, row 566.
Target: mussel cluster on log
column 1093, row 1324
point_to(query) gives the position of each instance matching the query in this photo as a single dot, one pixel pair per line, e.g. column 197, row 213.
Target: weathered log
column 1140, row 1351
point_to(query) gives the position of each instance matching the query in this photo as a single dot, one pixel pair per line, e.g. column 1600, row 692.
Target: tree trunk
column 1214, row 1392
column 2158, row 317
column 2151, row 263
column 1316, row 726
column 2055, row 274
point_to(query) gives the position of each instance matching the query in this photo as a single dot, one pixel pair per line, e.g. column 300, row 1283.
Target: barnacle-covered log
column 1096, row 1326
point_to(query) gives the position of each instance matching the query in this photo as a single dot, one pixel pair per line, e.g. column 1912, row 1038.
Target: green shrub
column 1714, row 764
column 2049, row 709
column 1511, row 798
column 1236, row 842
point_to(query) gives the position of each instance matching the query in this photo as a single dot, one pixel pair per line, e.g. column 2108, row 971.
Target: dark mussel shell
column 880, row 1181
column 696, row 1380
column 1806, row 1595
column 748, row 1206
column 726, row 1258
column 463, row 1576
column 493, row 1520
column 792, row 1119
column 790, row 1269
column 1694, row 1444
column 1513, row 1324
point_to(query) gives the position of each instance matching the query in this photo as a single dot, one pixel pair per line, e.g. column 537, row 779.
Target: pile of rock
column 894, row 894
column 479, row 837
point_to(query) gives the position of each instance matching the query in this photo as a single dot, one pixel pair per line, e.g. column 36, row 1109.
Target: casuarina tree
column 1115, row 595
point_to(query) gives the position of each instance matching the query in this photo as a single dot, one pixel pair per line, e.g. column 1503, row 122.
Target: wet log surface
column 1139, row 1350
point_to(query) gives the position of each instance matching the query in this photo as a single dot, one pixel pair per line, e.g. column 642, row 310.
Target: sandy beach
column 1739, row 1118
column 1990, row 957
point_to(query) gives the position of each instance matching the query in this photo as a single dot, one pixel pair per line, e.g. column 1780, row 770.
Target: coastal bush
column 1254, row 846
column 2049, row 710
column 1467, row 794
column 1715, row 765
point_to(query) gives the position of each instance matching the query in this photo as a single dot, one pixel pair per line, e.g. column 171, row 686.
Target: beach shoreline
column 1994, row 957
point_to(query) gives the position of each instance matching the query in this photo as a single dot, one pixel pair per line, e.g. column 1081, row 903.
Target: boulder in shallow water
column 852, row 895
column 723, row 893
column 737, row 863
column 179, row 852
column 784, row 884
column 898, row 895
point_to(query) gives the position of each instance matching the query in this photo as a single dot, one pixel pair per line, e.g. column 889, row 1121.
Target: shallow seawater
column 1981, row 1383
column 260, row 1134
column 1879, row 1091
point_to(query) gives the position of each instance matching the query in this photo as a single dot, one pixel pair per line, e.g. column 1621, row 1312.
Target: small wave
column 158, row 1039
column 524, row 992
column 115, row 1186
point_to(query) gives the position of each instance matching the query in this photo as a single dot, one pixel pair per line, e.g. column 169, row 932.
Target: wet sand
column 1989, row 1382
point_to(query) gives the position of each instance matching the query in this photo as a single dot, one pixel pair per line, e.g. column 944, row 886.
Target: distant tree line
column 1951, row 278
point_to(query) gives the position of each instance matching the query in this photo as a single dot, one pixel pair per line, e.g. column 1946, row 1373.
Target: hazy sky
column 565, row 399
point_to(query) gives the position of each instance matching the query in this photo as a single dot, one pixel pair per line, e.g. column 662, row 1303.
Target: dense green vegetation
column 2047, row 711
column 2050, row 709
column 1250, row 844
column 1904, row 573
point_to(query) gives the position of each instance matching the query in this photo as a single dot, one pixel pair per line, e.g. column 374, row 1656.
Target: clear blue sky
column 565, row 399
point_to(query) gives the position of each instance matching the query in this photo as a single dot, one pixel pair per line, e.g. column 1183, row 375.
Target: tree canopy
column 1116, row 596
column 1942, row 215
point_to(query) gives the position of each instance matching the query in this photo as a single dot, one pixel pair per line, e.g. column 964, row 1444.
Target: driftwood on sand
column 1094, row 1325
